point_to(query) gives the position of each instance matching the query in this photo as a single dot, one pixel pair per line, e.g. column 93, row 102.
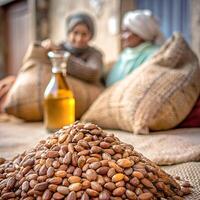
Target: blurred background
column 24, row 21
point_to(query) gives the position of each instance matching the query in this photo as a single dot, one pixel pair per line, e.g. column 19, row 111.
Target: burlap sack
column 25, row 99
column 156, row 96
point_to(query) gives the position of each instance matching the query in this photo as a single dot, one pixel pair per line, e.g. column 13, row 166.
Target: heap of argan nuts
column 84, row 162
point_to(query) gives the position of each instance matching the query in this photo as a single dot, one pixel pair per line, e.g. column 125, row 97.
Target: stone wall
column 107, row 20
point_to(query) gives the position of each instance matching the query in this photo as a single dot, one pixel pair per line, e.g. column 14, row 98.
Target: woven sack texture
column 187, row 171
column 25, row 99
column 156, row 96
column 166, row 147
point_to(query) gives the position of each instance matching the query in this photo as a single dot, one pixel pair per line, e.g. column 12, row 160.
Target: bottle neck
column 59, row 69
column 56, row 69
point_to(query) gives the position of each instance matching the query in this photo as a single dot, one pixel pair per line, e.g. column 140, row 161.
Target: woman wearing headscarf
column 141, row 38
column 85, row 62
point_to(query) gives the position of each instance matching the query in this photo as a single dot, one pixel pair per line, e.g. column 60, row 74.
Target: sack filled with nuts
column 151, row 97
column 25, row 98
column 81, row 161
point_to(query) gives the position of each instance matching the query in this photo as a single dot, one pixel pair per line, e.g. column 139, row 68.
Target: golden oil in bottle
column 59, row 103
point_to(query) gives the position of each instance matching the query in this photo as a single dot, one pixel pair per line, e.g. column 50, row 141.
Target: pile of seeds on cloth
column 84, row 162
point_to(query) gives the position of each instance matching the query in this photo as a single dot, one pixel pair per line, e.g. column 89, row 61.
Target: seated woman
column 85, row 61
column 141, row 38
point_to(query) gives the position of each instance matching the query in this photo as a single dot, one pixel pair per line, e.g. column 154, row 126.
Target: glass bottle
column 59, row 103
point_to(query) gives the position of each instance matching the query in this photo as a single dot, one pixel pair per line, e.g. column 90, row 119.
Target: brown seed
column 128, row 171
column 28, row 162
column 145, row 196
column 118, row 177
column 84, row 152
column 102, row 170
column 30, row 192
column 31, row 177
column 74, row 179
column 117, row 148
column 109, row 151
column 138, row 174
column 41, row 186
column 125, row 163
column 92, row 193
column 104, row 195
column 119, row 191
column 71, row 148
column 33, row 183
column 111, row 172
column 89, row 126
column 134, row 181
column 53, row 187
column 106, row 156
column 109, row 139
column 10, row 183
column 75, row 187
column 120, row 184
column 94, row 143
column 62, row 138
column 85, row 196
column 96, row 149
column 8, row 195
column 55, row 180
column 96, row 132
column 186, row 190
column 42, row 178
column 57, row 195
column 25, row 186
column 95, row 165
column 50, row 172
column 67, row 159
column 43, row 170
column 92, row 159
column 115, row 166
column 63, row 190
column 147, row 183
column 61, row 174
column 117, row 156
column 83, row 143
column 91, row 175
column 96, row 186
column 77, row 172
column 131, row 195
column 56, row 164
column 78, row 137
column 186, row 184
column 110, row 186
column 2, row 160
column 71, row 196
column 47, row 194
column 81, row 161
column 52, row 154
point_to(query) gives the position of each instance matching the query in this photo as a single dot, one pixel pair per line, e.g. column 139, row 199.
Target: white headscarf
column 143, row 24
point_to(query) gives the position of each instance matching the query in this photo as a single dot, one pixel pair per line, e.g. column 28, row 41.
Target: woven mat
column 187, row 171
column 166, row 147
column 17, row 136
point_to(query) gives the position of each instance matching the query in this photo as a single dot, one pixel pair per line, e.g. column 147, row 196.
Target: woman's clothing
column 85, row 64
column 129, row 60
